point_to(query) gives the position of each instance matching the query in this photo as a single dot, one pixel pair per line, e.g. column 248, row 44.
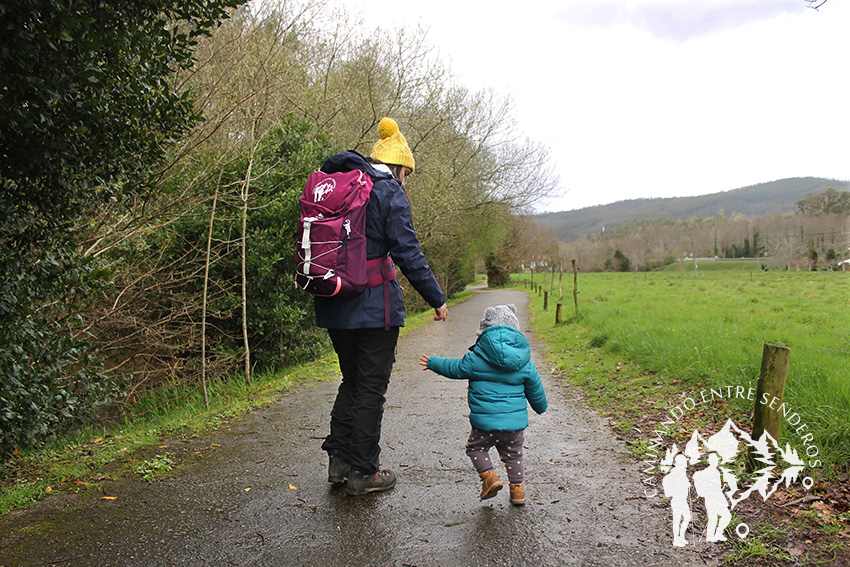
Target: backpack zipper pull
column 346, row 224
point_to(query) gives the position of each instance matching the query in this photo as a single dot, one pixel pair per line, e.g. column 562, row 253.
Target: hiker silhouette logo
column 725, row 469
column 323, row 189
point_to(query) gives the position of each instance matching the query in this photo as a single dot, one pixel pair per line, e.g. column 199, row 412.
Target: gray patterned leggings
column 507, row 443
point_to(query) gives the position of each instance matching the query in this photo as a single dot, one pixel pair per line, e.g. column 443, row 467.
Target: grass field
column 709, row 331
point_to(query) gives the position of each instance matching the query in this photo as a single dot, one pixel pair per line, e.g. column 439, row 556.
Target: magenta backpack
column 330, row 255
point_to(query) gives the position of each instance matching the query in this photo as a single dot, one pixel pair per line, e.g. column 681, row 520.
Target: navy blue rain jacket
column 389, row 230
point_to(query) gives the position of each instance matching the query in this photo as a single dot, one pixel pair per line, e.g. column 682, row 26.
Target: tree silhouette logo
column 711, row 469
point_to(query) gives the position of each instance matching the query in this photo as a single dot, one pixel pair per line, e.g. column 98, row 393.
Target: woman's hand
column 441, row 313
column 423, row 361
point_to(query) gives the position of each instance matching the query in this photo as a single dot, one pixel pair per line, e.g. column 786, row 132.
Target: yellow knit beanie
column 392, row 148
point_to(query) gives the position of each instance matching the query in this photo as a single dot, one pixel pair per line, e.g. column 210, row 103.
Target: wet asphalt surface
column 256, row 493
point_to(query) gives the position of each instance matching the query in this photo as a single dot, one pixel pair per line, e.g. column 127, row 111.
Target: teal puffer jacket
column 501, row 378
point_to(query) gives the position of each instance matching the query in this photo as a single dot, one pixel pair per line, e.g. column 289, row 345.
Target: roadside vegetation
column 137, row 443
column 140, row 443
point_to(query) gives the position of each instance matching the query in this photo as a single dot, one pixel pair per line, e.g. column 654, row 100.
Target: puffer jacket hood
column 504, row 347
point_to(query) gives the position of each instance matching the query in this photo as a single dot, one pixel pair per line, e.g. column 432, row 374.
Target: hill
column 764, row 199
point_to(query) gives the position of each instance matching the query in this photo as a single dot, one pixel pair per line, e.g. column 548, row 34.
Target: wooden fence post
column 560, row 279
column 545, row 301
column 558, row 312
column 552, row 283
column 769, row 392
column 575, row 286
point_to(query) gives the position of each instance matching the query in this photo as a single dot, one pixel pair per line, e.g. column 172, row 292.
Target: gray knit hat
column 499, row 315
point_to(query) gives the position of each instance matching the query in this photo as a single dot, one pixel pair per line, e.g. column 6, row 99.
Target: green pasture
column 709, row 330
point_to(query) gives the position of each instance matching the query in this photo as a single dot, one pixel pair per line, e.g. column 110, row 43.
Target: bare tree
column 206, row 290
column 152, row 325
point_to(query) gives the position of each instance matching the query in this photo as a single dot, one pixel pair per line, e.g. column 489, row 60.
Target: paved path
column 256, row 494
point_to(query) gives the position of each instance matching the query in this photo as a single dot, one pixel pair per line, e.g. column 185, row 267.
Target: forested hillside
column 813, row 234
column 762, row 200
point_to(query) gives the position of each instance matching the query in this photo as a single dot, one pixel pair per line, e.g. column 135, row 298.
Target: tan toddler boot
column 490, row 484
column 517, row 494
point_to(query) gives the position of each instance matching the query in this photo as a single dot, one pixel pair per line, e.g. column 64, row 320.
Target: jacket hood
column 350, row 160
column 504, row 347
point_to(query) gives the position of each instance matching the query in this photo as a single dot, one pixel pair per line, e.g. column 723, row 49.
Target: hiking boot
column 490, row 484
column 359, row 483
column 338, row 468
column 517, row 494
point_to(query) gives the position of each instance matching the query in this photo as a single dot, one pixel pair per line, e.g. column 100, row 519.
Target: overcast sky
column 654, row 98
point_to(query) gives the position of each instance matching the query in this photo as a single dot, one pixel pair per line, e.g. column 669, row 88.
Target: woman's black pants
column 366, row 358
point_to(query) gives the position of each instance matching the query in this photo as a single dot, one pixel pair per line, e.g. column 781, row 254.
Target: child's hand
column 423, row 361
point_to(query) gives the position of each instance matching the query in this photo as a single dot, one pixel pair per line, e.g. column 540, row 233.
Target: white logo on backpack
column 323, row 189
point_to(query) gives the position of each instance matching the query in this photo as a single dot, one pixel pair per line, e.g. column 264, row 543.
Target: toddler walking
column 501, row 378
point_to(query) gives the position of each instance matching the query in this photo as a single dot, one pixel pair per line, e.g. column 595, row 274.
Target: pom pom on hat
column 499, row 315
column 387, row 127
column 392, row 148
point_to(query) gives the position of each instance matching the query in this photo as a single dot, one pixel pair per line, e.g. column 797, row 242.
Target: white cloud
column 678, row 21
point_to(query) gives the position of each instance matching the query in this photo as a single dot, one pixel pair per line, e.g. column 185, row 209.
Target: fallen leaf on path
column 108, row 497
column 247, row 489
column 293, row 487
